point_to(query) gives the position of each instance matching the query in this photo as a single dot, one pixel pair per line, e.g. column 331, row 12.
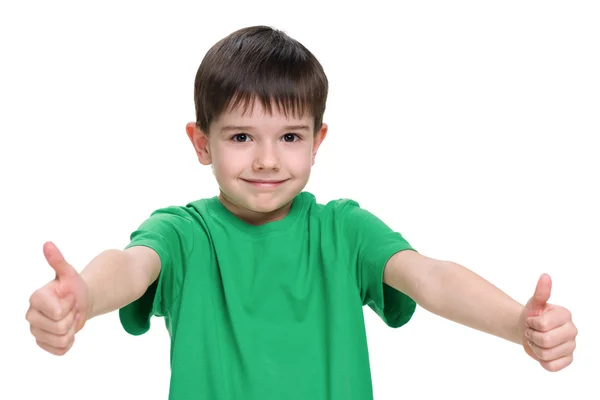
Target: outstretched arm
column 113, row 279
column 454, row 292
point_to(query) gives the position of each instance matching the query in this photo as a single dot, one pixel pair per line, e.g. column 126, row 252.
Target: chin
column 262, row 202
column 268, row 206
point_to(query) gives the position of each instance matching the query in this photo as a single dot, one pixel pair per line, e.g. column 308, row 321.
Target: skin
column 261, row 162
column 447, row 289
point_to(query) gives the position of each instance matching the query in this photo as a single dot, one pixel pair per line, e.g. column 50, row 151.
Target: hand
column 548, row 332
column 59, row 309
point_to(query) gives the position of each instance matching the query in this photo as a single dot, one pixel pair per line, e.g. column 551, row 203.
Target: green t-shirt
column 272, row 311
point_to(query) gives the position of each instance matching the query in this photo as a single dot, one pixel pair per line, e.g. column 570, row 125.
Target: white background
column 470, row 127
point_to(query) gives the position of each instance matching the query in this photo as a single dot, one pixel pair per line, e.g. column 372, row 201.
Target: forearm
column 113, row 280
column 458, row 294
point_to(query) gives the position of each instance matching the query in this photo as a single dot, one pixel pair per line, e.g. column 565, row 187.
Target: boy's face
column 261, row 161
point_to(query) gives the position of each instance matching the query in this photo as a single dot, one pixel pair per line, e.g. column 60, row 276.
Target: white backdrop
column 470, row 127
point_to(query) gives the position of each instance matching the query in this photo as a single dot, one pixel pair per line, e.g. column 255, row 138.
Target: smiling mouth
column 264, row 182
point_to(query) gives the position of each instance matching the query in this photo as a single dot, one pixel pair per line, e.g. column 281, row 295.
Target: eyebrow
column 229, row 128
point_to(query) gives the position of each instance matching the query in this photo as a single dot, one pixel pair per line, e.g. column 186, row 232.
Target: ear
column 200, row 142
column 318, row 139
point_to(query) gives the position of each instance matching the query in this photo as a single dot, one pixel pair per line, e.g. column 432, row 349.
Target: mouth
column 264, row 183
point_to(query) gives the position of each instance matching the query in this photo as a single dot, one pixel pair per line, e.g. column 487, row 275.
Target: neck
column 254, row 217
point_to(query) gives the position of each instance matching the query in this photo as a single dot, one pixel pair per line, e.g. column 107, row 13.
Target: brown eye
column 240, row 137
column 290, row 137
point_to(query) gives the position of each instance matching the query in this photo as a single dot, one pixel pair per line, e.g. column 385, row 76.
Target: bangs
column 292, row 98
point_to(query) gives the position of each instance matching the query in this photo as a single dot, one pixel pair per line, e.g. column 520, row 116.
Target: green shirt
column 272, row 311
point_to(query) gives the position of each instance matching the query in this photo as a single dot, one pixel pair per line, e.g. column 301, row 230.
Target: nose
column 266, row 158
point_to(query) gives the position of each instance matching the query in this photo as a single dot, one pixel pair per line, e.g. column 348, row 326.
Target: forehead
column 254, row 112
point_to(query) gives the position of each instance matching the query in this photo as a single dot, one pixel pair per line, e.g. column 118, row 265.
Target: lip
column 264, row 183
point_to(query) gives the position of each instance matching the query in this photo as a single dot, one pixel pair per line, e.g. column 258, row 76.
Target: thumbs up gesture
column 548, row 332
column 58, row 310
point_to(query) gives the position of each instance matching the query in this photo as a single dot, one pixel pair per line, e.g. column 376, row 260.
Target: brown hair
column 259, row 63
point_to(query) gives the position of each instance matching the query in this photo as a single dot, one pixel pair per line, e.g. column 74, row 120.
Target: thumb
column 56, row 260
column 542, row 293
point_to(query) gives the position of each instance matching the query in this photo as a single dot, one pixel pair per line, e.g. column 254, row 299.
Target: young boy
column 261, row 287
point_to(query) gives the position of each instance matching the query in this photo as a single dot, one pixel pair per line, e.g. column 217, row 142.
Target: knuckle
column 63, row 342
column 28, row 315
column 557, row 365
column 62, row 328
column 569, row 315
column 545, row 341
column 33, row 298
column 537, row 338
column 38, row 296
column 43, row 346
column 56, row 313
column 543, row 354
column 550, row 366
column 61, row 351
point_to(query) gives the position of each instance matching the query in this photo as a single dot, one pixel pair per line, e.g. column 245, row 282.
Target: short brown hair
column 260, row 63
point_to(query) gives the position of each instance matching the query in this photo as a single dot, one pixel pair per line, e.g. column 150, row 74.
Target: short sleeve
column 169, row 232
column 372, row 244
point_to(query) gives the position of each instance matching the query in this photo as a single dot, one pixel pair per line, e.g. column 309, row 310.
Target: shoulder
column 347, row 216
column 171, row 228
column 189, row 212
column 340, row 210
column 329, row 207
column 177, row 218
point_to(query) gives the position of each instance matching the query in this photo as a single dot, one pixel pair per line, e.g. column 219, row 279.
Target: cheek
column 300, row 162
column 225, row 164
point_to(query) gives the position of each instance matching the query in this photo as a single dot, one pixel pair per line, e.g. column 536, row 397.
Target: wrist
column 517, row 332
column 88, row 309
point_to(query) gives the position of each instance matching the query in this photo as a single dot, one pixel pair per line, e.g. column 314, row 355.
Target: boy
column 261, row 287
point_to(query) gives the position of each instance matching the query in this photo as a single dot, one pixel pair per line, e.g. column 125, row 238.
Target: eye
column 240, row 138
column 290, row 137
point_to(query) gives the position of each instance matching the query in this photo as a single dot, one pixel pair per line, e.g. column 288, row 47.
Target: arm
column 545, row 331
column 116, row 278
column 453, row 292
column 113, row 279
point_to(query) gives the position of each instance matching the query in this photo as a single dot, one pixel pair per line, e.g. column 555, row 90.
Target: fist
column 548, row 331
column 57, row 311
